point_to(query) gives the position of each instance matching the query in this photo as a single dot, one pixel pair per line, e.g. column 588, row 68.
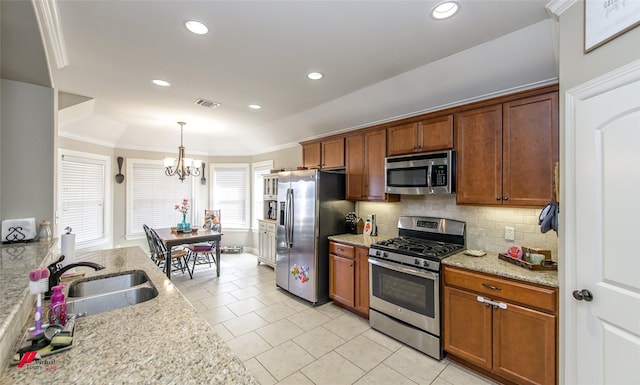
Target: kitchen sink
column 109, row 292
column 107, row 283
column 112, row 300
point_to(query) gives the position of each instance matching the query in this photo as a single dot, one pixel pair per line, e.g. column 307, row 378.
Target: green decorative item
column 184, row 225
column 184, row 208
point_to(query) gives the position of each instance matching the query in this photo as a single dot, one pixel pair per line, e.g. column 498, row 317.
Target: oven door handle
column 404, row 269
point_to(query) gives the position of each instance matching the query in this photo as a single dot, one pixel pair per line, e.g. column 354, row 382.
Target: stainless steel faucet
column 56, row 270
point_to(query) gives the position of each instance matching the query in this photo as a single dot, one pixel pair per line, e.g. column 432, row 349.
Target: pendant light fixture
column 185, row 166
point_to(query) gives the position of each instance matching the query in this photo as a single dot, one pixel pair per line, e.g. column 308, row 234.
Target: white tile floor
column 285, row 340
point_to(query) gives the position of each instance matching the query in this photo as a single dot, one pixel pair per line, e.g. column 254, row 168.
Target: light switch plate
column 509, row 233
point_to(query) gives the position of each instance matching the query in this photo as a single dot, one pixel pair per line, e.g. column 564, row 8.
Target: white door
column 601, row 207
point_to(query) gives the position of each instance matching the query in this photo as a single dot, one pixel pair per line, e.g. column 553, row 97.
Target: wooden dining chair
column 205, row 252
column 150, row 242
column 178, row 257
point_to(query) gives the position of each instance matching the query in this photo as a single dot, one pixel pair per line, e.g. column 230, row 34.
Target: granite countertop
column 487, row 264
column 491, row 264
column 16, row 261
column 162, row 340
column 359, row 239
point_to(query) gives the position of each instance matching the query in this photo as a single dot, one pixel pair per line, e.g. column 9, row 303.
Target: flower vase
column 184, row 225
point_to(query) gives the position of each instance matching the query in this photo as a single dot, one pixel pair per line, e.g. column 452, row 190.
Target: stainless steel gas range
column 404, row 280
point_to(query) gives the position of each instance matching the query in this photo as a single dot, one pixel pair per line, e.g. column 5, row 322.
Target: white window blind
column 153, row 196
column 230, row 194
column 82, row 197
column 260, row 169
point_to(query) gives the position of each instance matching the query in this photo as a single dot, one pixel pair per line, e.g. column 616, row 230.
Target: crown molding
column 51, row 30
column 555, row 8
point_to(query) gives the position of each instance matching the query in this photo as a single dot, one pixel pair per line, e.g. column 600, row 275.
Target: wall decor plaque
column 604, row 20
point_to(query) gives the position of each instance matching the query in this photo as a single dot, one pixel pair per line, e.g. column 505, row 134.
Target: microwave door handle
column 429, row 181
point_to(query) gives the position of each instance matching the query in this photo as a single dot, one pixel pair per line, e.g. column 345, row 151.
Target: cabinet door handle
column 506, row 198
column 351, row 265
column 491, row 286
column 495, row 305
column 498, row 198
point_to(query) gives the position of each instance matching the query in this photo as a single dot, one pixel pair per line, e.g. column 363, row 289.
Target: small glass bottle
column 45, row 233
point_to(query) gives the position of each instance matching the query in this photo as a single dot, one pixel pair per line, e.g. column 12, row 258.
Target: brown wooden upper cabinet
column 365, row 154
column 506, row 153
column 325, row 154
column 427, row 135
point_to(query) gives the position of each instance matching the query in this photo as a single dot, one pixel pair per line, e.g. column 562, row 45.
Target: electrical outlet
column 509, row 233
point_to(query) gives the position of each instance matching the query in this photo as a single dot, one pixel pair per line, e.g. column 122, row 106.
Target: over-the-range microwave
column 421, row 174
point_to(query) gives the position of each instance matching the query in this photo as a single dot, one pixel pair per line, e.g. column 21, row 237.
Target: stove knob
column 385, row 255
column 425, row 263
column 377, row 253
column 416, row 262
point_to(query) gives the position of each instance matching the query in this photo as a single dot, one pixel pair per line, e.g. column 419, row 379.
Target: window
column 230, row 194
column 84, row 196
column 260, row 169
column 152, row 196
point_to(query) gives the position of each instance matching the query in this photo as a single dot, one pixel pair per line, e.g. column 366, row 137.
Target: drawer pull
column 491, row 286
column 493, row 303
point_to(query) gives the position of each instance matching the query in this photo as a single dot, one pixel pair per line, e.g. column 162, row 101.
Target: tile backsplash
column 485, row 225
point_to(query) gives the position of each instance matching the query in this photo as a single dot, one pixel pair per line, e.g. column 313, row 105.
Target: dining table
column 171, row 238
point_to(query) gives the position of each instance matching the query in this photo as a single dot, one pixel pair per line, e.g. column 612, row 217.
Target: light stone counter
column 161, row 341
column 491, row 264
column 359, row 239
column 16, row 261
column 487, row 264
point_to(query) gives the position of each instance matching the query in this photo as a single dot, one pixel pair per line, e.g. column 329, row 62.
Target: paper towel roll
column 67, row 248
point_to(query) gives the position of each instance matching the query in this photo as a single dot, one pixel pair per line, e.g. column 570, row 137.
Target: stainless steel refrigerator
column 311, row 207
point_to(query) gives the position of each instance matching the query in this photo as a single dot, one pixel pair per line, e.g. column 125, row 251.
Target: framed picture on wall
column 604, row 20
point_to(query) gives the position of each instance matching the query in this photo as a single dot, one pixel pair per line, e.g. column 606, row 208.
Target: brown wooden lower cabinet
column 349, row 277
column 511, row 341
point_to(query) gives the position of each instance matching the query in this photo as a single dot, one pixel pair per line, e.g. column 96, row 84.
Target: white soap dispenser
column 367, row 226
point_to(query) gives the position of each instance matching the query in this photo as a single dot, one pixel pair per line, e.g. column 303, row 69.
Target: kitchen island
column 16, row 261
column 161, row 341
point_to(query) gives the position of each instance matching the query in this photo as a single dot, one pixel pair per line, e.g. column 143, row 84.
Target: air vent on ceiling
column 207, row 103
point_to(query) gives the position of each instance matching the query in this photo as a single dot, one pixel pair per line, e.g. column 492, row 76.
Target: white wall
column 287, row 158
column 27, row 160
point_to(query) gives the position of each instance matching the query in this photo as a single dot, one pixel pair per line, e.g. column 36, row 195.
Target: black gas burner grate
column 419, row 247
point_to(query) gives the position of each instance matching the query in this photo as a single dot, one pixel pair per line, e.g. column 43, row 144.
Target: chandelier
column 185, row 166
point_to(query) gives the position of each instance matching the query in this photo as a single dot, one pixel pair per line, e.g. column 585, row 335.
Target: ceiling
column 381, row 59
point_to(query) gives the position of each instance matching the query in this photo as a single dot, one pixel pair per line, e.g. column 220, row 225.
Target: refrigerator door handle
column 289, row 227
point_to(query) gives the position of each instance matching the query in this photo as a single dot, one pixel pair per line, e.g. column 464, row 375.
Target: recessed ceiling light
column 255, row 106
column 315, row 75
column 160, row 82
column 196, row 27
column 445, row 10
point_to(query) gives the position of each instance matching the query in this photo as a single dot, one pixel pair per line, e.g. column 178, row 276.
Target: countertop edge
column 491, row 264
column 19, row 313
